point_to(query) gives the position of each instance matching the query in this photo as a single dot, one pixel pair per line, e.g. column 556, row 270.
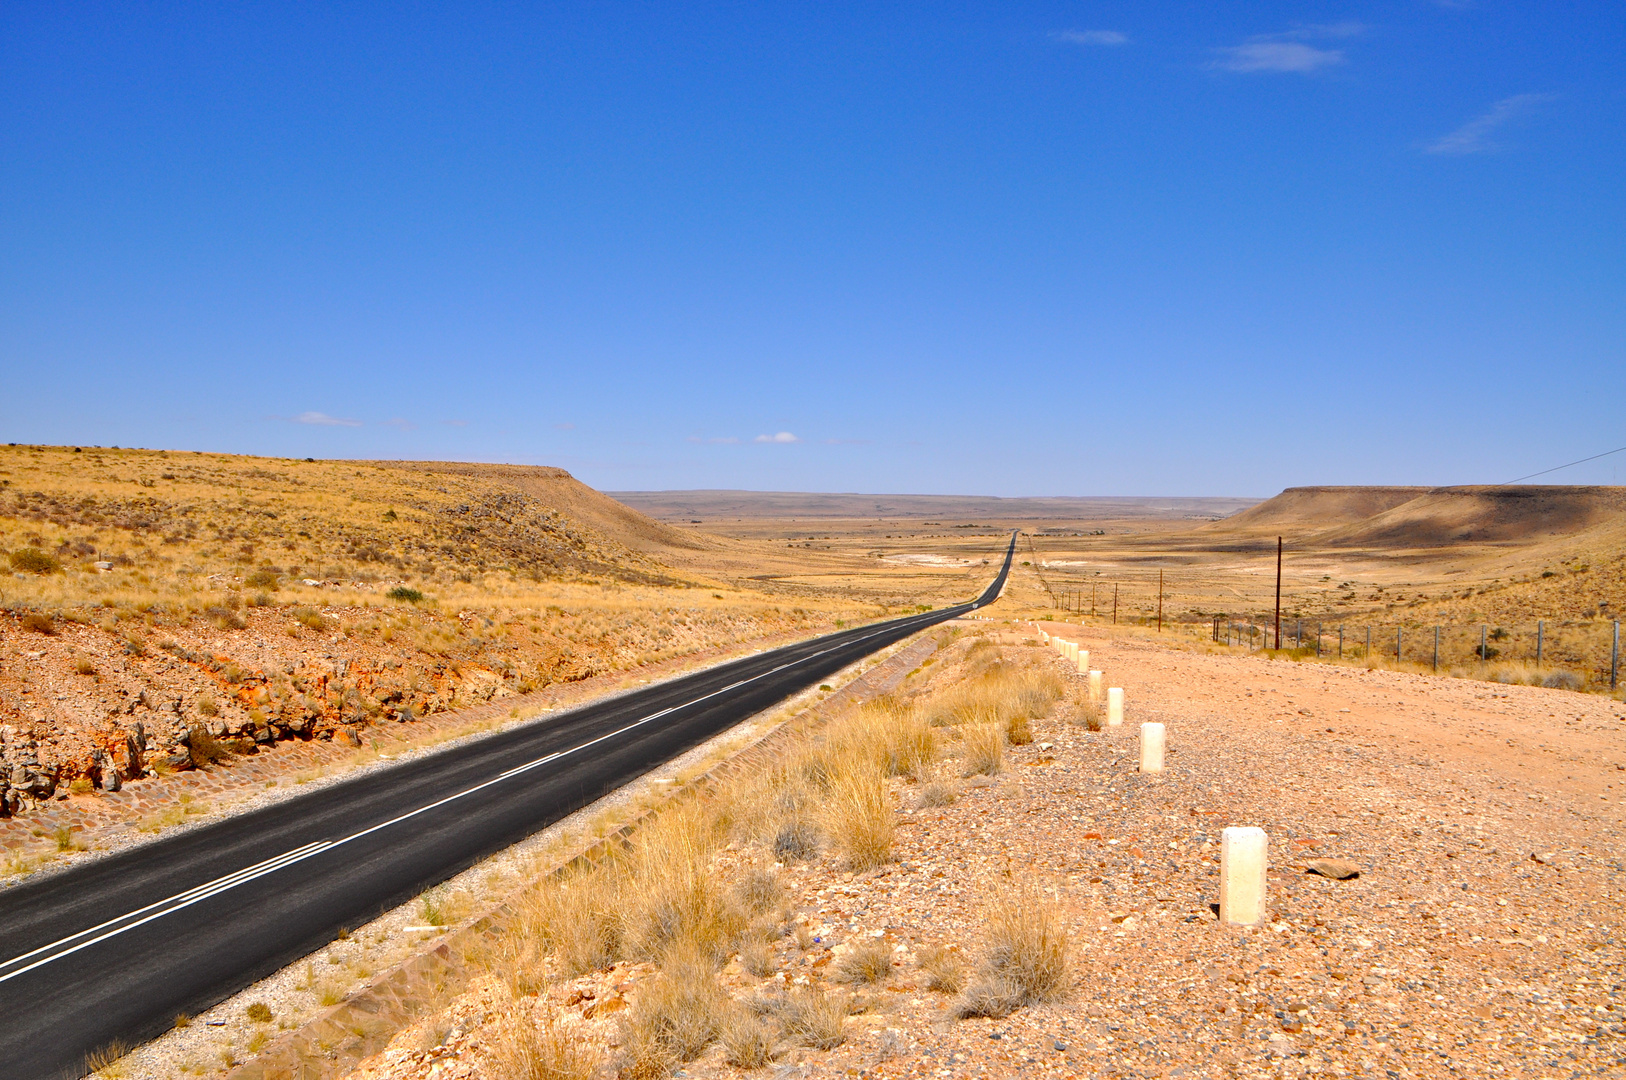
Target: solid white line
column 130, row 920
column 193, row 896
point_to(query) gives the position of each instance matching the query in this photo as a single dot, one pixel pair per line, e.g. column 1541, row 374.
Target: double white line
column 45, row 954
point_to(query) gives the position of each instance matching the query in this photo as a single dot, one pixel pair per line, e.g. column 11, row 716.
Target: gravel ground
column 1482, row 937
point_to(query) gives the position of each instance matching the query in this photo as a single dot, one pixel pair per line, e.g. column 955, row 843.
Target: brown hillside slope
column 557, row 489
column 1303, row 510
column 1444, row 517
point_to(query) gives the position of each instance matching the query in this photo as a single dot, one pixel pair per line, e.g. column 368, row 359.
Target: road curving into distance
column 113, row 949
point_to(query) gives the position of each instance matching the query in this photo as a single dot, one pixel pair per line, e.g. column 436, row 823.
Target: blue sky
column 1001, row 248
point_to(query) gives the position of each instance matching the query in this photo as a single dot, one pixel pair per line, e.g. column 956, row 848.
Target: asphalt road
column 114, row 949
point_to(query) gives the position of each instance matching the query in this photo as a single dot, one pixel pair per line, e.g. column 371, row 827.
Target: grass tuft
column 1024, row 957
column 982, row 749
column 945, row 970
column 868, row 962
column 676, row 1015
column 527, row 1050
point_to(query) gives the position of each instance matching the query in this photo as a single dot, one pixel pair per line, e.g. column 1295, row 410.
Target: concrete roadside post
column 1095, row 686
column 1115, row 706
column 1243, row 851
column 1152, row 737
column 1083, row 661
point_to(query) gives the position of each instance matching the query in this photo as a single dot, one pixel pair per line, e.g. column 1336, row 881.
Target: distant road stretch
column 114, row 949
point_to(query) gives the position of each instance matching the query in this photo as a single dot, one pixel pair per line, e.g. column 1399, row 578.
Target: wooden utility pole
column 1114, row 603
column 1278, row 592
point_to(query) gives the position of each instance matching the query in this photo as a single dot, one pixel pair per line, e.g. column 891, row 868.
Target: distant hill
column 706, row 505
column 1417, row 517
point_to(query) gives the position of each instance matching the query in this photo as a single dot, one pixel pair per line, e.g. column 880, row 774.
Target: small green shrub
column 403, row 592
column 259, row 1012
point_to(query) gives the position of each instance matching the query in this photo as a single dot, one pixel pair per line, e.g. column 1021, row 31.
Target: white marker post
column 1083, row 661
column 1115, row 706
column 1243, row 852
column 1095, row 686
column 1152, row 736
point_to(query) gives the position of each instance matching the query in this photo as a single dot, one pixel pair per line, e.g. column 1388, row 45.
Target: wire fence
column 1573, row 654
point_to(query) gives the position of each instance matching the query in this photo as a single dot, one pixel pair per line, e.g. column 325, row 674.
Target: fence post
column 1397, row 644
column 1318, row 639
column 1541, row 633
column 1340, row 641
column 1482, row 657
column 1298, row 633
column 1614, row 659
column 1436, row 650
column 1368, row 654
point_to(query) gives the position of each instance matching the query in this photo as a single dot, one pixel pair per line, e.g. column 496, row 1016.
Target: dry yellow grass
column 527, row 1049
column 676, row 1015
column 982, row 749
column 1024, row 958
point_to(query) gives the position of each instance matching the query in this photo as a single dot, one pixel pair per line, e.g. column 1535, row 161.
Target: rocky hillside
column 165, row 610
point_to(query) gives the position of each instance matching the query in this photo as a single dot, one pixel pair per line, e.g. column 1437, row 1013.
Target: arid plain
column 960, row 873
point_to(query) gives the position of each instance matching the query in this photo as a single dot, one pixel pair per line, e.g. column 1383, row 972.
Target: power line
column 1555, row 468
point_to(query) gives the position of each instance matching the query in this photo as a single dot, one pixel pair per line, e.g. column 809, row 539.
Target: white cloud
column 1287, row 50
column 1093, row 37
column 782, row 437
column 324, row 420
column 400, row 424
column 1474, row 136
column 1279, row 56
column 1312, row 31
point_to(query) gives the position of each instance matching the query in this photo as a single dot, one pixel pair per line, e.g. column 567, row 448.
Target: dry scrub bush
column 982, row 749
column 866, row 962
column 674, row 898
column 1000, row 694
column 945, row 971
column 939, row 791
column 747, row 1042
column 527, row 1050
column 676, row 1014
column 815, row 1018
column 576, row 922
column 893, row 736
column 205, row 749
column 1024, row 958
column 1088, row 715
column 1019, row 730
column 758, row 890
column 757, row 959
column 859, row 817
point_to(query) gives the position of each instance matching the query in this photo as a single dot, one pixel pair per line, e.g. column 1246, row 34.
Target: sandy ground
column 1482, row 937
